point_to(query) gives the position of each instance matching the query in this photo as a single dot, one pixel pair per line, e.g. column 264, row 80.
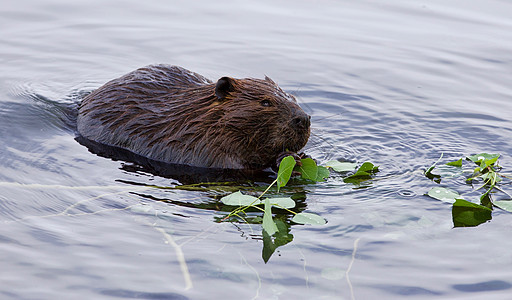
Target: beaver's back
column 123, row 108
column 149, row 81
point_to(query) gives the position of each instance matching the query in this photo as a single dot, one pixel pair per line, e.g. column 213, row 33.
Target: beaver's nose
column 302, row 121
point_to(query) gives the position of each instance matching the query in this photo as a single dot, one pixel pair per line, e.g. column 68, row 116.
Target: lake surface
column 393, row 83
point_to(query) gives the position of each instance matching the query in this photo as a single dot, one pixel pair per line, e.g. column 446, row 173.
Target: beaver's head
column 259, row 120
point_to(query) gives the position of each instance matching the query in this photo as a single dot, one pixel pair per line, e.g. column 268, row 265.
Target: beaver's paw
column 303, row 155
column 296, row 156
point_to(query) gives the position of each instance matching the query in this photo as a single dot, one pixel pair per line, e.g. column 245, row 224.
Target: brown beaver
column 169, row 114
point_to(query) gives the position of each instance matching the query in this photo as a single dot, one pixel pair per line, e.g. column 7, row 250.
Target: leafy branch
column 487, row 173
column 310, row 172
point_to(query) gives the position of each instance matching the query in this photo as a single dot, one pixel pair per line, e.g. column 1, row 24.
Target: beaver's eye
column 266, row 103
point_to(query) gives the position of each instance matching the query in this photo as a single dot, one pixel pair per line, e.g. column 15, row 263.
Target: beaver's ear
column 224, row 86
column 269, row 80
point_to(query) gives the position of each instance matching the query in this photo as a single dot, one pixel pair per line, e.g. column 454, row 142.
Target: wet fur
column 169, row 114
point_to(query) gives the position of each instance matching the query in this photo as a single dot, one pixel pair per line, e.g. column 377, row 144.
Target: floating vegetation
column 486, row 175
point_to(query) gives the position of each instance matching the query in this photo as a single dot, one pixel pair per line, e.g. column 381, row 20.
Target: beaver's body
column 169, row 114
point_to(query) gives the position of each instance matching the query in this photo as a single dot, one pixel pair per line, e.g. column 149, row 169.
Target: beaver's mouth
column 297, row 140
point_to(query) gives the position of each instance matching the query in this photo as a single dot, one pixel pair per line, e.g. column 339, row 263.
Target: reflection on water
column 184, row 174
column 396, row 84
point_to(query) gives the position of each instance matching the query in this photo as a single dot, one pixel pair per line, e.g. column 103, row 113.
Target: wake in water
column 60, row 112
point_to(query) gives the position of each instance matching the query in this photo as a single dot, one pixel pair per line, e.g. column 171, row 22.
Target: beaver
column 170, row 114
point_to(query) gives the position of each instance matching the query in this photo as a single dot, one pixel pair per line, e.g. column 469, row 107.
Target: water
column 394, row 83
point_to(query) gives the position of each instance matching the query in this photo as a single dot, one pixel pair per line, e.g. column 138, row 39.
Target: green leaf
column 268, row 223
column 457, row 163
column 476, row 171
column 504, row 204
column 340, row 166
column 491, row 177
column 282, row 202
column 484, row 159
column 308, row 218
column 485, row 199
column 443, row 194
column 432, row 176
column 488, row 162
column 285, row 171
column 308, row 169
column 282, row 237
column 363, row 173
column 368, row 167
column 239, row 199
column 469, row 214
column 465, row 203
column 357, row 178
column 311, row 171
column 268, row 246
column 322, row 173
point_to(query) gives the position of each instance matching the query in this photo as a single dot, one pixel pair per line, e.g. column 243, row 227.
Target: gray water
column 395, row 83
